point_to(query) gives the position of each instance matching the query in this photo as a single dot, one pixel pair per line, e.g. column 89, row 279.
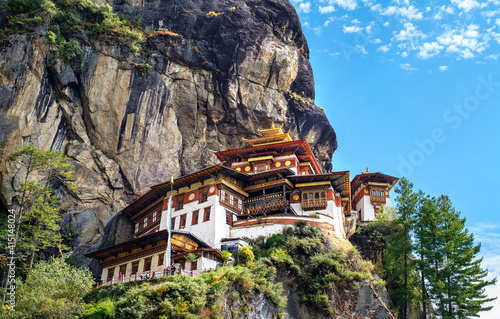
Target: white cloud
column 386, row 24
column 443, row 10
column 327, row 9
column 465, row 42
column 304, row 7
column 409, row 12
column 468, row 5
column 429, row 49
column 492, row 57
column 443, row 68
column 407, row 67
column 328, row 21
column 352, row 29
column 409, row 33
column 376, row 41
column 361, row 49
column 384, row 48
column 346, row 4
column 404, row 54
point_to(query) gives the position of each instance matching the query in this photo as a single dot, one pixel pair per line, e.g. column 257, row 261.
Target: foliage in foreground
column 186, row 297
column 52, row 289
column 304, row 255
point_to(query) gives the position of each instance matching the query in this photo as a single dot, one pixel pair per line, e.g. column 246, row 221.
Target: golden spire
column 270, row 136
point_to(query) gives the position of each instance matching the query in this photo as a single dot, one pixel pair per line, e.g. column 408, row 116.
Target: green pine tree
column 460, row 289
column 399, row 265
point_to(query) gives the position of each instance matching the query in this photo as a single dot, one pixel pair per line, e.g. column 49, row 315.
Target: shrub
column 246, row 255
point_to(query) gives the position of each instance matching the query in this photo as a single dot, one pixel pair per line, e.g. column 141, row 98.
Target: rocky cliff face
column 212, row 73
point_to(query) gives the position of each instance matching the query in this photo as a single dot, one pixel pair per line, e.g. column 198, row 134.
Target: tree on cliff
column 37, row 215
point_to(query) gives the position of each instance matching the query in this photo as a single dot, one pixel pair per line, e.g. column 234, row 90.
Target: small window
column 311, row 196
column 374, row 193
column 147, row 264
column 204, row 196
column 182, row 222
column 206, row 216
column 316, row 195
column 323, row 195
column 194, row 265
column 145, row 222
column 173, row 223
column 161, row 258
column 240, row 203
column 135, row 267
column 136, row 227
column 154, row 217
column 180, row 203
column 304, row 197
column 195, row 217
column 229, row 218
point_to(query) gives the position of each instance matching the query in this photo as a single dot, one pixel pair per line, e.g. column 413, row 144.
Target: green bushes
column 67, row 19
column 186, row 297
column 304, row 255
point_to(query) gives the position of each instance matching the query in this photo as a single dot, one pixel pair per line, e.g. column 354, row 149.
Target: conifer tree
column 461, row 281
column 399, row 266
column 423, row 225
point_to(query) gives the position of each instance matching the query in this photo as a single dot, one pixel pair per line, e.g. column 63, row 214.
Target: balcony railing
column 318, row 203
column 265, row 203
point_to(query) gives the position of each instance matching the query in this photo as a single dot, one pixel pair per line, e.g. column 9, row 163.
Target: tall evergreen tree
column 461, row 282
column 399, row 266
column 424, row 224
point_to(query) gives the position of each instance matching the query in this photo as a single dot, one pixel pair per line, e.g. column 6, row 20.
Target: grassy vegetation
column 187, row 297
column 304, row 255
column 69, row 23
column 301, row 256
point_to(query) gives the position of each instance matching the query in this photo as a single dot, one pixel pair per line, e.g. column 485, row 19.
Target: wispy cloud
column 351, row 29
column 304, row 7
column 443, row 68
column 468, row 5
column 384, row 48
column 408, row 67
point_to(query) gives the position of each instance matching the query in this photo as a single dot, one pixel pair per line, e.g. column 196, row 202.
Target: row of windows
column 314, row 198
column 194, row 219
column 147, row 221
column 378, row 193
column 180, row 200
column 231, row 200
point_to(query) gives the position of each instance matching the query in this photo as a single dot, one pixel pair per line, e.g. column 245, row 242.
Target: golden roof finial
column 367, row 170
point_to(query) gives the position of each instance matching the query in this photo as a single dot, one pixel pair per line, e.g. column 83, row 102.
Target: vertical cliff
column 207, row 74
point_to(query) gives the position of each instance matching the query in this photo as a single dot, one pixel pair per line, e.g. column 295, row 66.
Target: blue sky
column 413, row 89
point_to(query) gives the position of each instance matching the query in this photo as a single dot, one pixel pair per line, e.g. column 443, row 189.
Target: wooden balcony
column 318, row 203
column 264, row 204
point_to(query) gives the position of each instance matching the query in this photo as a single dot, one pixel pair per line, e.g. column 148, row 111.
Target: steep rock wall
column 219, row 72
